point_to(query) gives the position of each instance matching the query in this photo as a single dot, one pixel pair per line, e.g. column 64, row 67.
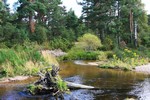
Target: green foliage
column 40, row 34
column 57, row 29
column 36, row 56
column 71, row 20
column 68, row 34
column 33, row 88
column 85, row 48
column 115, row 17
column 16, row 61
column 60, row 43
column 125, row 59
column 10, row 56
column 61, row 85
column 108, row 44
column 79, row 54
column 109, row 54
column 145, row 37
column 89, row 42
column 102, row 56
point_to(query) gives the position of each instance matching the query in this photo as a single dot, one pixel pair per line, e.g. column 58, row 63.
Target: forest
column 115, row 31
column 106, row 45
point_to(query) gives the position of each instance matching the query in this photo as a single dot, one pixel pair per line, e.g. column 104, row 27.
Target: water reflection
column 113, row 84
column 142, row 90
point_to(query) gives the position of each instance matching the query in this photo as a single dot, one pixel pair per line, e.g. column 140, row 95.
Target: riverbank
column 14, row 79
column 112, row 81
column 48, row 56
column 143, row 69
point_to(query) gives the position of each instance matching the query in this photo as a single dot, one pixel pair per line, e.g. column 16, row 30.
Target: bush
column 79, row 54
column 40, row 34
column 89, row 42
column 8, row 55
column 21, row 36
column 108, row 44
column 102, row 56
column 60, row 43
column 145, row 39
column 125, row 59
column 68, row 34
column 109, row 54
column 20, row 60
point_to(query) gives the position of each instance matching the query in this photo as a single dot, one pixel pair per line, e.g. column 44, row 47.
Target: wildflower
column 134, row 54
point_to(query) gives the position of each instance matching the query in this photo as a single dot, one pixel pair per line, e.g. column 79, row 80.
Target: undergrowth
column 23, row 60
column 125, row 59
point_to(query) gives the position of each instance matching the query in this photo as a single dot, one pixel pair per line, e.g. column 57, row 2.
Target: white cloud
column 147, row 5
column 73, row 4
column 77, row 8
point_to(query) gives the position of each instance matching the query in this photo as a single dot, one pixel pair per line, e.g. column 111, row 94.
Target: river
column 113, row 84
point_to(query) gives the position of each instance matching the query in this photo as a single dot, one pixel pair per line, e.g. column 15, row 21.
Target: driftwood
column 78, row 86
column 48, row 83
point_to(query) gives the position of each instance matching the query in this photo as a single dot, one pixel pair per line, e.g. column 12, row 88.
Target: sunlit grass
column 125, row 59
column 24, row 61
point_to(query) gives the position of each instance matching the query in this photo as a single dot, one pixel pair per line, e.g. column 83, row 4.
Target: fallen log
column 78, row 86
column 73, row 86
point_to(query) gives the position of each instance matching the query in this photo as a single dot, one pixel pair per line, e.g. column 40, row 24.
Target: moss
column 33, row 89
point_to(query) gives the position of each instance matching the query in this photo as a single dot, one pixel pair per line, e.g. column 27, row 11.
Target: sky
column 78, row 9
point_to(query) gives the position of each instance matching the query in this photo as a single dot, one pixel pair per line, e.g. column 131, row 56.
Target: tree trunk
column 135, row 34
column 31, row 22
column 131, row 25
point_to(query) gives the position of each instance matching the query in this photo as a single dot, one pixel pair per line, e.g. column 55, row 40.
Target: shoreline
column 14, row 79
column 145, row 69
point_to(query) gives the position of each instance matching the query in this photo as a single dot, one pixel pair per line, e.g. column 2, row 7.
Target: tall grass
column 125, row 59
column 23, row 60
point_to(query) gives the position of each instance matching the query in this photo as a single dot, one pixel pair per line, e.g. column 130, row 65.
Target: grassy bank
column 89, row 47
column 126, row 59
column 23, row 60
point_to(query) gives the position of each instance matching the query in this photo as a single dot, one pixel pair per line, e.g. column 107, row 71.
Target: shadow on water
column 113, row 84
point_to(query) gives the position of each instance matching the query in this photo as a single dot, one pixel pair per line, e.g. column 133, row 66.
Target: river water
column 113, row 84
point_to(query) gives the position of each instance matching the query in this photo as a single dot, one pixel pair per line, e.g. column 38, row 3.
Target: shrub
column 102, row 55
column 125, row 59
column 89, row 42
column 79, row 54
column 108, row 44
column 60, row 43
column 40, row 34
column 23, row 60
column 109, row 54
column 145, row 39
column 68, row 34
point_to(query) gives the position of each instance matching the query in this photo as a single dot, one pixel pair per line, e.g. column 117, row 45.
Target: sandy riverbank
column 143, row 69
column 12, row 79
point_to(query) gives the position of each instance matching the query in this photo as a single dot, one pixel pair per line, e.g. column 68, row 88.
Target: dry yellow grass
column 49, row 58
column 7, row 67
column 30, row 67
